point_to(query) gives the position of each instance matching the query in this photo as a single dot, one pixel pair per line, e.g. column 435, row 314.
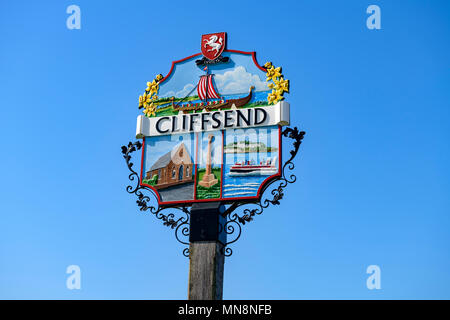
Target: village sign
column 212, row 131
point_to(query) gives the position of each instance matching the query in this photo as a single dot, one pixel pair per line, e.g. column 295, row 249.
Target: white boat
column 249, row 168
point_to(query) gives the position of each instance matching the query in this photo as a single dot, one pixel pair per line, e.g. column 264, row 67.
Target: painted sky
column 158, row 146
column 372, row 173
column 233, row 77
column 216, row 148
column 267, row 135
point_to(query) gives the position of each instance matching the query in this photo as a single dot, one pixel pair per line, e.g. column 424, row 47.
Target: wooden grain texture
column 206, row 266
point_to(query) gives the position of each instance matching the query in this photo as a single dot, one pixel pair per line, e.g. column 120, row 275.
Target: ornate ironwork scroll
column 233, row 226
column 180, row 221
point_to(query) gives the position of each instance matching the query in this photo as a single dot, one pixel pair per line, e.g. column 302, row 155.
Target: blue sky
column 373, row 173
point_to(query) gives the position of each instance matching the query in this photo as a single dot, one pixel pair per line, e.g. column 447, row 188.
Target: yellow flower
column 279, row 95
column 273, row 73
column 150, row 110
column 150, row 95
column 152, row 86
column 279, row 85
column 269, row 73
column 272, row 97
column 275, row 96
column 283, row 85
column 143, row 100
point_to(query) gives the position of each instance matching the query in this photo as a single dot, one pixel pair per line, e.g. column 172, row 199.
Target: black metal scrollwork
column 233, row 226
column 180, row 222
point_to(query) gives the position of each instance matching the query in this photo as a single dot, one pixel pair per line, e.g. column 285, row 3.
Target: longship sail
column 205, row 88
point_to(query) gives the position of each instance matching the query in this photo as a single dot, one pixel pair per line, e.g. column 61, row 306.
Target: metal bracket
column 207, row 222
column 230, row 224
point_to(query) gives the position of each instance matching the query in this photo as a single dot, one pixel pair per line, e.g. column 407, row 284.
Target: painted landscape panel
column 206, row 166
column 209, row 166
column 169, row 166
column 250, row 157
column 239, row 82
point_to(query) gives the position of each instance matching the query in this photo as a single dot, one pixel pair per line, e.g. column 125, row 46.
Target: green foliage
column 151, row 181
column 168, row 109
column 211, row 192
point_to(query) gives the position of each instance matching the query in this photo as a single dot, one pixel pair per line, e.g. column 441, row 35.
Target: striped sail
column 205, row 88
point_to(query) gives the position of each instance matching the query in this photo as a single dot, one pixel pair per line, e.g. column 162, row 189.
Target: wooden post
column 206, row 267
column 206, row 260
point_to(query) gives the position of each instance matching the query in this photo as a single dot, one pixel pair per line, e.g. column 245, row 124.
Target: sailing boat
column 206, row 90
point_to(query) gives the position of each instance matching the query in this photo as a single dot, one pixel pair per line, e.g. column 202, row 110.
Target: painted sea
column 257, row 97
column 245, row 186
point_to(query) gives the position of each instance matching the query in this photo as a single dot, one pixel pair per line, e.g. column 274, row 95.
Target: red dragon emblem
column 213, row 44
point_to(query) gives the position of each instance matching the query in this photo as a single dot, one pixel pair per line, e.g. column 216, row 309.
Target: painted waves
column 244, row 185
column 244, row 189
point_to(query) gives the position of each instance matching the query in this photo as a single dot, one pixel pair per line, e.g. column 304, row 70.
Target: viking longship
column 206, row 91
